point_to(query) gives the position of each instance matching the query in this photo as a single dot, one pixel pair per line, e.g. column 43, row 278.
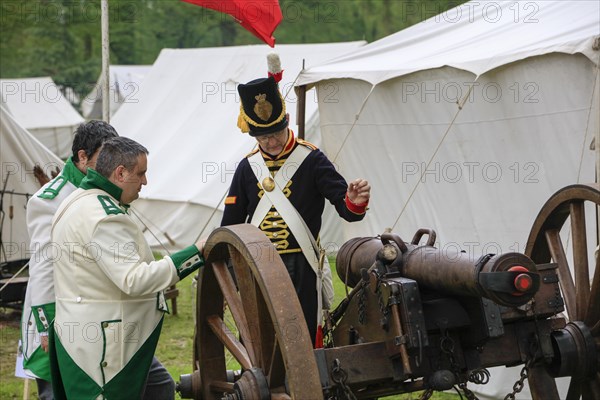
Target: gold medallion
column 268, row 184
column 263, row 108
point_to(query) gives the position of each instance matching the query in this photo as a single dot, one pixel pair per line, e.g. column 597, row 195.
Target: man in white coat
column 38, row 308
column 109, row 299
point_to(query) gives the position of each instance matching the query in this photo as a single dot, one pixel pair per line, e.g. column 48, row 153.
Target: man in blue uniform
column 281, row 188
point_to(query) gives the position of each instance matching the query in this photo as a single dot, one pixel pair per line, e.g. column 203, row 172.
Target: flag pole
column 105, row 62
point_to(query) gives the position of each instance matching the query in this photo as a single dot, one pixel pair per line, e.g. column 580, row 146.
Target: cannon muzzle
column 509, row 279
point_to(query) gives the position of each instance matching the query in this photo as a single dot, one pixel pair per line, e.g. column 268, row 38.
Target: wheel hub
column 252, row 385
column 575, row 350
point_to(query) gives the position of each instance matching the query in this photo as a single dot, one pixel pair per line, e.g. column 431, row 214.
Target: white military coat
column 109, row 301
column 38, row 307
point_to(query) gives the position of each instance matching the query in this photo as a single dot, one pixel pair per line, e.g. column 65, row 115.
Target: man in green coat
column 38, row 308
column 109, row 288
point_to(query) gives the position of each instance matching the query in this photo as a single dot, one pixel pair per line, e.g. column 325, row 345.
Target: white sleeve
column 42, row 252
column 124, row 256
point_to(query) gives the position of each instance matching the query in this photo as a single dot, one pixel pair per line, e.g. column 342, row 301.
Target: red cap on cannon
column 509, row 279
column 522, row 282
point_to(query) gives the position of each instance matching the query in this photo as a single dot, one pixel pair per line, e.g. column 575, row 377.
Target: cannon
column 414, row 318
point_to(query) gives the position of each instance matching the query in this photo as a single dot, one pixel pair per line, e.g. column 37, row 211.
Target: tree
column 62, row 38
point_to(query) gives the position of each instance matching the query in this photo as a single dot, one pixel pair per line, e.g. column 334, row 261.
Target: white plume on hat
column 274, row 66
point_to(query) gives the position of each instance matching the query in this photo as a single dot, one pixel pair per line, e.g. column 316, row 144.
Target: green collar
column 72, row 173
column 94, row 180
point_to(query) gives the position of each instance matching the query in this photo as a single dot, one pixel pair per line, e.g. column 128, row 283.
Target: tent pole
column 105, row 62
column 596, row 123
column 301, row 111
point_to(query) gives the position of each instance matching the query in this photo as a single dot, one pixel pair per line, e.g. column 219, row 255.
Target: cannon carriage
column 416, row 318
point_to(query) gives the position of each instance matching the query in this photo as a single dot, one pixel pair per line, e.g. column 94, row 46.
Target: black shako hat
column 262, row 110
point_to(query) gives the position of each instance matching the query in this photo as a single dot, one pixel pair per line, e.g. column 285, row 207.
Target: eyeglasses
column 276, row 136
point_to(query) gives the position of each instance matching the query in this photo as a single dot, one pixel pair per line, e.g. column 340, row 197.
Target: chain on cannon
column 339, row 377
column 519, row 384
column 447, row 347
column 524, row 374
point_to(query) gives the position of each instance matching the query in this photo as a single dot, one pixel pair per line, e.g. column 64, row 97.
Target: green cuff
column 44, row 315
column 181, row 256
column 187, row 261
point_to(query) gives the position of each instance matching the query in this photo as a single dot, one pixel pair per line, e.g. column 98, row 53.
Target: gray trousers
column 44, row 389
column 159, row 385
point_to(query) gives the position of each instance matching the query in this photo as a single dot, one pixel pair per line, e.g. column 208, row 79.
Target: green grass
column 174, row 348
column 10, row 386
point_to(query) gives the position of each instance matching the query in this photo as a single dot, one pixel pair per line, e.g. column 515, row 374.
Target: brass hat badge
column 263, row 108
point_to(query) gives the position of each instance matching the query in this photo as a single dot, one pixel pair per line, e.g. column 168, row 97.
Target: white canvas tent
column 124, row 86
column 41, row 108
column 19, row 153
column 466, row 123
column 522, row 87
column 186, row 117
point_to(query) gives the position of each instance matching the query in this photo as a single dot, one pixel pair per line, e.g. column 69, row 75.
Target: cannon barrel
column 508, row 279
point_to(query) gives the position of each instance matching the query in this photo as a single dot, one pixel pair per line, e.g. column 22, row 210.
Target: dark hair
column 89, row 136
column 118, row 151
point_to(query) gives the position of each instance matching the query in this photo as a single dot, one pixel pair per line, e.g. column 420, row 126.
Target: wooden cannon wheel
column 565, row 212
column 272, row 343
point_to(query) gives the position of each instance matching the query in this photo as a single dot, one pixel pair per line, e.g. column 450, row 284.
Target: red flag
column 260, row 17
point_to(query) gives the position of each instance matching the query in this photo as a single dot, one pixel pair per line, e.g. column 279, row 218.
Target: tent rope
column 587, row 125
column 215, row 208
column 356, row 117
column 294, row 82
column 460, row 107
column 585, row 139
column 134, row 212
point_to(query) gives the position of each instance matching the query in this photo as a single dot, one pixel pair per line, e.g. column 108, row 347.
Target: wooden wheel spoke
column 280, row 396
column 593, row 312
column 227, row 337
column 564, row 210
column 557, row 252
column 249, row 297
column 585, row 390
column 234, row 302
column 595, row 329
column 267, row 332
column 274, row 344
column 221, row 387
column 595, row 386
column 580, row 258
column 574, row 392
column 276, row 372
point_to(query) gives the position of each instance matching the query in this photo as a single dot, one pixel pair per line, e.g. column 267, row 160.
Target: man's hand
column 44, row 342
column 192, row 264
column 39, row 174
column 359, row 191
column 189, row 259
column 200, row 245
